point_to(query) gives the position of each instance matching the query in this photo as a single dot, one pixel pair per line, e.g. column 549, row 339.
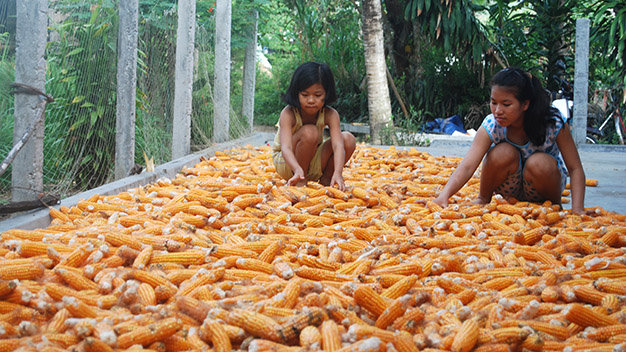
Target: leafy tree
column 552, row 28
column 609, row 38
column 452, row 24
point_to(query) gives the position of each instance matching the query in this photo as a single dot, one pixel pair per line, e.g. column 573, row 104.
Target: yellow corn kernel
column 7, row 287
column 96, row 345
column 466, row 337
column 367, row 298
column 93, row 207
column 74, row 279
column 150, row 278
column 400, row 288
column 611, row 302
column 213, row 331
column 64, row 340
column 392, row 312
column 321, row 274
column 289, row 296
column 29, row 270
column 59, row 215
column 190, row 257
column 403, row 342
column 558, row 331
column 247, row 201
column 331, row 340
column 254, row 265
column 29, row 249
column 588, row 294
column 361, row 331
column 78, row 308
column 433, row 207
column 583, row 316
column 295, row 324
column 143, row 258
column 310, row 335
column 146, row 295
column 604, row 333
column 267, row 345
column 145, row 335
column 611, row 238
column 610, row 286
column 409, row 320
column 120, row 239
column 316, row 262
column 204, row 278
column 511, row 210
column 509, row 335
column 255, row 323
column 192, row 307
column 409, row 268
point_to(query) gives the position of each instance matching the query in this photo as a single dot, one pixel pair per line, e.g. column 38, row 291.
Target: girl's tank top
column 319, row 124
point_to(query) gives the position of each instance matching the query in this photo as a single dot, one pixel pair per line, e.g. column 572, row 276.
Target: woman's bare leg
column 500, row 162
column 541, row 172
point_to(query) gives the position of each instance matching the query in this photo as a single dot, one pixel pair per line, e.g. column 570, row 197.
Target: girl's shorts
column 516, row 186
column 315, row 167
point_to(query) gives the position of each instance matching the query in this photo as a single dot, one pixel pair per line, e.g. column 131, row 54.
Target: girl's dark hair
column 307, row 75
column 525, row 86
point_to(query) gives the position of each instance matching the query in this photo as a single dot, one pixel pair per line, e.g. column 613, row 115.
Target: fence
column 82, row 50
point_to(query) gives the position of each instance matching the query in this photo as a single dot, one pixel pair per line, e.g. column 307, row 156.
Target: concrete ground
column 607, row 164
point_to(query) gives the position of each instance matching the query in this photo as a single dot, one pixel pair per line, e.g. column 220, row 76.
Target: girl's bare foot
column 479, row 201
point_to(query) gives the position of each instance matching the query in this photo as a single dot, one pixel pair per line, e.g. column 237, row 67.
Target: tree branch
column 396, row 93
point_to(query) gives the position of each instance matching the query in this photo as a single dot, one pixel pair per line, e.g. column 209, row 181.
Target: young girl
column 529, row 149
column 299, row 152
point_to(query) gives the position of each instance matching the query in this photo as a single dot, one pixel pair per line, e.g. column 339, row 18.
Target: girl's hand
column 297, row 178
column 441, row 201
column 337, row 179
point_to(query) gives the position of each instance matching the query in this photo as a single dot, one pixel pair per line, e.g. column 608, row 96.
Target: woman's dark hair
column 307, row 75
column 525, row 86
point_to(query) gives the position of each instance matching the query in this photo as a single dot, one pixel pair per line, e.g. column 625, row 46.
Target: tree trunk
column 221, row 119
column 378, row 102
column 249, row 75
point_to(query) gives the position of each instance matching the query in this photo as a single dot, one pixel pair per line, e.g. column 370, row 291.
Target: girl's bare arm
column 466, row 169
column 339, row 152
column 286, row 122
column 574, row 166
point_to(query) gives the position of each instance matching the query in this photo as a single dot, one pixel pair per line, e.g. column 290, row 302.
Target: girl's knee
column 503, row 155
column 540, row 165
column 308, row 134
column 349, row 143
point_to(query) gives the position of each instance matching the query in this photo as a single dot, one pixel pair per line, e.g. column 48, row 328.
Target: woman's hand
column 441, row 201
column 297, row 178
column 337, row 179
